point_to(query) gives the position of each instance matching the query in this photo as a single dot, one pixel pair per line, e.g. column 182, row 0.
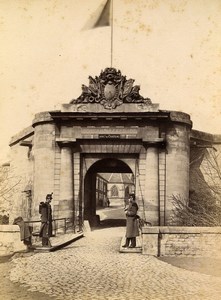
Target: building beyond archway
column 110, row 127
column 105, row 165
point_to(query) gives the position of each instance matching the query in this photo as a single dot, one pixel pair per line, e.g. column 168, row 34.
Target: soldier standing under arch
column 132, row 230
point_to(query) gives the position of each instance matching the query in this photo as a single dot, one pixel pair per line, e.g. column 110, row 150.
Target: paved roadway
column 93, row 269
column 115, row 211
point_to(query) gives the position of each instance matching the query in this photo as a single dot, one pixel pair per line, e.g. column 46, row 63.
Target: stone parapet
column 182, row 241
column 97, row 107
column 10, row 241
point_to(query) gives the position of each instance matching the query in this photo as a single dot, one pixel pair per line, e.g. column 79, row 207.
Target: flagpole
column 112, row 31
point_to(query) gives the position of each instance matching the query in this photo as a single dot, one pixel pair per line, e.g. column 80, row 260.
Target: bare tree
column 195, row 212
column 203, row 208
column 8, row 185
column 211, row 169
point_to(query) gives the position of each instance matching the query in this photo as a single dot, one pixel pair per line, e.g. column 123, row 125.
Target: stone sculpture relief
column 111, row 89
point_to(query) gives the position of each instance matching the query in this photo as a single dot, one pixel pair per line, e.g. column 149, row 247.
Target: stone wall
column 182, row 241
column 21, row 174
column 10, row 240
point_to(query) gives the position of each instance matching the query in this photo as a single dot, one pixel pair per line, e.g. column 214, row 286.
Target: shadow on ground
column 108, row 223
column 15, row 291
column 204, row 265
column 6, row 258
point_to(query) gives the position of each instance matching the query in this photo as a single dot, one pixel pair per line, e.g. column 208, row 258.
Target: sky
column 172, row 48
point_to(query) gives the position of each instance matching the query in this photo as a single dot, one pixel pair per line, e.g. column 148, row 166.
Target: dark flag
column 102, row 17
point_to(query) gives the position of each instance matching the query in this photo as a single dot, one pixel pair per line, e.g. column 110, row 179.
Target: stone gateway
column 109, row 128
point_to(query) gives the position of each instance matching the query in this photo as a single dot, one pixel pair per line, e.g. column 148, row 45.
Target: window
column 114, row 191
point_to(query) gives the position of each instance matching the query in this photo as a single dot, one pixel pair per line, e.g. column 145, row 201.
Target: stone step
column 59, row 242
column 137, row 249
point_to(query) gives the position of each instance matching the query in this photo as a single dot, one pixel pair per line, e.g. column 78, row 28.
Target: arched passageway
column 103, row 201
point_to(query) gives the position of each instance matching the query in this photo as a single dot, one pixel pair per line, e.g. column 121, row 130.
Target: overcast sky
column 172, row 48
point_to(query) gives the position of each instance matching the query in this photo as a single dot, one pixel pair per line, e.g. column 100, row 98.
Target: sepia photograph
column 110, row 162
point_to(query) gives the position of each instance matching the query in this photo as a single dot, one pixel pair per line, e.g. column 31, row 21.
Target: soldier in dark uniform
column 46, row 220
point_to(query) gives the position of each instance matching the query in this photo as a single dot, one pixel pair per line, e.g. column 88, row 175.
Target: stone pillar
column 66, row 183
column 44, row 145
column 151, row 185
column 77, row 184
column 177, row 167
column 150, row 241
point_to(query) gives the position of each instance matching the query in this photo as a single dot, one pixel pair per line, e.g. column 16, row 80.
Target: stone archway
column 105, row 165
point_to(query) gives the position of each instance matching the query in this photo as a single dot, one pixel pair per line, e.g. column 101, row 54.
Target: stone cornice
column 124, row 112
column 154, row 142
column 24, row 134
column 66, row 142
column 205, row 137
column 42, row 117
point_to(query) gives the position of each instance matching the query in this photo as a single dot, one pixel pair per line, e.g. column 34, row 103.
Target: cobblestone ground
column 93, row 269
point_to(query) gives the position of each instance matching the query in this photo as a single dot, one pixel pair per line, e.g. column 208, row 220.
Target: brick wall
column 182, row 241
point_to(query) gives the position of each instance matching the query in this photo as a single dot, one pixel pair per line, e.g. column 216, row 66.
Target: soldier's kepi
column 46, row 220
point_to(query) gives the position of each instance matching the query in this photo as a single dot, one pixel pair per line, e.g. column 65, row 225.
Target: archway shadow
column 108, row 223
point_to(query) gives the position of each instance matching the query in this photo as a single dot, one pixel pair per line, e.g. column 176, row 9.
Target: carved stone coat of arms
column 111, row 89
